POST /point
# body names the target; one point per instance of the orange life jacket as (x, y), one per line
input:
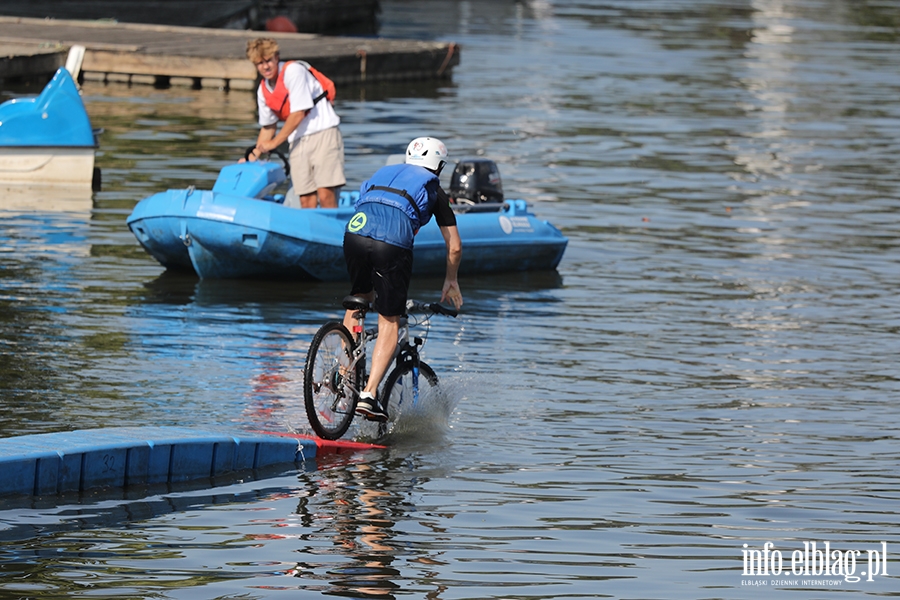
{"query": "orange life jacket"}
(278, 99)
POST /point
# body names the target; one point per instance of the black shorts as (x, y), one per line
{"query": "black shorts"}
(379, 266)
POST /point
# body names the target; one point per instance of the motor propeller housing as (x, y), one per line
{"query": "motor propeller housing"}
(476, 181)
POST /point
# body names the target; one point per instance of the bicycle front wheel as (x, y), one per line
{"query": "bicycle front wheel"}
(329, 383)
(406, 386)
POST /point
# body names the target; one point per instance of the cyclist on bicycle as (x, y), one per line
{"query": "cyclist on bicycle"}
(378, 246)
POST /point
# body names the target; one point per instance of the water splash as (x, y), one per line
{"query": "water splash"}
(426, 421)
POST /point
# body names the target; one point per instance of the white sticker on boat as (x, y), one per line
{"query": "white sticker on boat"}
(521, 223)
(217, 212)
(510, 224)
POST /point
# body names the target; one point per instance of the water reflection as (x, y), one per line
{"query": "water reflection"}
(181, 287)
(362, 513)
(24, 200)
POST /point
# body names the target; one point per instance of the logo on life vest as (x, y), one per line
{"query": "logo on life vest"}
(357, 222)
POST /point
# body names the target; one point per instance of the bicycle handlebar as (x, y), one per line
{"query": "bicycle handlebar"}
(433, 307)
(444, 310)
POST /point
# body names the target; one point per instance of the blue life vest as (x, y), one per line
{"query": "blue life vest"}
(401, 186)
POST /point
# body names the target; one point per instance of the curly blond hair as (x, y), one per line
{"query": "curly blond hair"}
(261, 49)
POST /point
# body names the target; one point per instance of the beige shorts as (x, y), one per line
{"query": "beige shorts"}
(317, 161)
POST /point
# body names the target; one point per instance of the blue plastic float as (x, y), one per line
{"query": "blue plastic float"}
(48, 139)
(56, 117)
(77, 461)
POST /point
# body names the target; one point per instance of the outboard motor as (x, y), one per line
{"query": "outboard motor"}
(476, 181)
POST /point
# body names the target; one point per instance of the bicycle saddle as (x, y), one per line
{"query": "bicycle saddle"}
(355, 303)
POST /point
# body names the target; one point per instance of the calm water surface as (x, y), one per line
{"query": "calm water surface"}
(712, 365)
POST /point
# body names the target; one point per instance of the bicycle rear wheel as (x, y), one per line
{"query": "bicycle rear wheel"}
(405, 387)
(329, 383)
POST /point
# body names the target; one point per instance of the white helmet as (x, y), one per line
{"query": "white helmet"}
(426, 152)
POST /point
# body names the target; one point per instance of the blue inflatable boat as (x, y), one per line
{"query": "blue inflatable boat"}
(240, 229)
(48, 139)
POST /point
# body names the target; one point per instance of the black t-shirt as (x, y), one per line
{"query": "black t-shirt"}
(443, 213)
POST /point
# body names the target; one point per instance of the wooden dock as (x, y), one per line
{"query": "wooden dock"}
(26, 60)
(308, 16)
(163, 55)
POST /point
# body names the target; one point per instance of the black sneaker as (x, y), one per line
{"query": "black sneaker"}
(371, 410)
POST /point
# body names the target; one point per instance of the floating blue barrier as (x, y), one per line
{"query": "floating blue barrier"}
(75, 461)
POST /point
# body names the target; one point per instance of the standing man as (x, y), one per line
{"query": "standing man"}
(289, 93)
(378, 247)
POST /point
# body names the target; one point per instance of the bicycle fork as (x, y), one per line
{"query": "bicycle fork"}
(409, 355)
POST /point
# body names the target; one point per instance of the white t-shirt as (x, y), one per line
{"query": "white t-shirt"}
(302, 88)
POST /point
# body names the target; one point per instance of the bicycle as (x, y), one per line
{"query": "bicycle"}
(335, 370)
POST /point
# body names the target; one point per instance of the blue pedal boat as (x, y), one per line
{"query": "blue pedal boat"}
(240, 229)
(47, 140)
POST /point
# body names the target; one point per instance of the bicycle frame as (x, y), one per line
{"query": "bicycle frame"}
(403, 354)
